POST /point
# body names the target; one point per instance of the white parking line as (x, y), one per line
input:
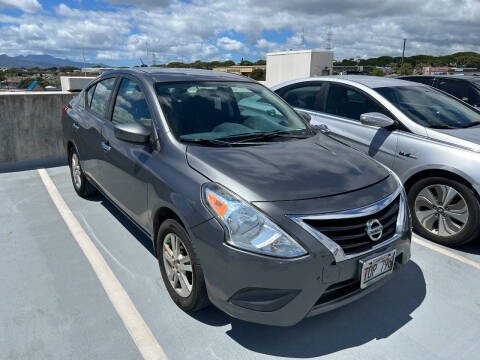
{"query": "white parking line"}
(133, 321)
(446, 252)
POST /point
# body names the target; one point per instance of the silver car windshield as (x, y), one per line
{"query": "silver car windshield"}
(430, 108)
(222, 110)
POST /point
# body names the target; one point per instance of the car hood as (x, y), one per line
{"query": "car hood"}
(287, 170)
(469, 137)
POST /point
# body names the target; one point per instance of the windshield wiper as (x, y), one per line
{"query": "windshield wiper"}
(214, 142)
(270, 135)
(475, 123)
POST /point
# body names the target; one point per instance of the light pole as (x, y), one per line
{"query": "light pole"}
(403, 56)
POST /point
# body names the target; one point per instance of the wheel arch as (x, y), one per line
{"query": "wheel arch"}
(161, 215)
(443, 173)
(70, 146)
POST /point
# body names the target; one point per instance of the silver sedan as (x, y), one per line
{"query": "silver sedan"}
(429, 138)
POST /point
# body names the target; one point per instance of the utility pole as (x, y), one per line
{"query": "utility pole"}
(403, 55)
(303, 37)
(147, 45)
(84, 68)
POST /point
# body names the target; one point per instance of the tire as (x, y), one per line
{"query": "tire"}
(455, 222)
(80, 183)
(197, 298)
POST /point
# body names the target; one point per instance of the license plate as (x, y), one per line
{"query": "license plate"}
(376, 268)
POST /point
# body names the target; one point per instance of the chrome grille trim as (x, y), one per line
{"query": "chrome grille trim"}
(335, 248)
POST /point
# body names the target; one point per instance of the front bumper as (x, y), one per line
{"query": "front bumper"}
(281, 292)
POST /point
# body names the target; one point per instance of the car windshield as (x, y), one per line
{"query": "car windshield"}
(430, 108)
(225, 110)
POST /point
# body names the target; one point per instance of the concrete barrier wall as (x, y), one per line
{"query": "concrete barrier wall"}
(30, 125)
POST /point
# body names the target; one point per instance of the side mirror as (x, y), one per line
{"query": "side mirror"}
(305, 116)
(132, 132)
(376, 119)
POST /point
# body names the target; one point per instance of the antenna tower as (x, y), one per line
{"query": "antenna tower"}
(329, 39)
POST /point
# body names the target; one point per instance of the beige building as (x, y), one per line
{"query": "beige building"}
(239, 69)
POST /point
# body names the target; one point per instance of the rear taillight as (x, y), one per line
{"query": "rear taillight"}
(64, 110)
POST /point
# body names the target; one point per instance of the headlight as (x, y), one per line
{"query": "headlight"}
(247, 227)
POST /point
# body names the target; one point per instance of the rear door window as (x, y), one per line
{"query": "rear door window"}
(350, 103)
(131, 105)
(101, 95)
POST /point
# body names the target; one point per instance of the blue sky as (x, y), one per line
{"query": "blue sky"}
(118, 32)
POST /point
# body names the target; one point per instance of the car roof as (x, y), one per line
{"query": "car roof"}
(368, 81)
(159, 74)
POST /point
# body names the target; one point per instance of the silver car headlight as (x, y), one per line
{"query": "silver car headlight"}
(247, 228)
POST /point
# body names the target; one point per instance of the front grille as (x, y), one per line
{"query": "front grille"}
(351, 234)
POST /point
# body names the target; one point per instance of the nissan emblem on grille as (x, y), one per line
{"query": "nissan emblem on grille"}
(374, 229)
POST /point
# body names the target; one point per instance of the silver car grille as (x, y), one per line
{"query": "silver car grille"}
(345, 233)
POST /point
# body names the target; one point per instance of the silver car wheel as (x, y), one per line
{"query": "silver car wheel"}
(178, 265)
(441, 210)
(76, 171)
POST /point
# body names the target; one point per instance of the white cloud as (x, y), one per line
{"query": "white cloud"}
(109, 55)
(29, 6)
(209, 29)
(231, 45)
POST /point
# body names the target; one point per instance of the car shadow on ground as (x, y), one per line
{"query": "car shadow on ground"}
(138, 234)
(471, 248)
(376, 316)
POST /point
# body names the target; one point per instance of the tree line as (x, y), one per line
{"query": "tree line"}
(466, 59)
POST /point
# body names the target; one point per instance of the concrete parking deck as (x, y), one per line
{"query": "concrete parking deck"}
(53, 305)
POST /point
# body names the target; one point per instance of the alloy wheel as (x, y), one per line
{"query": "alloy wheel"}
(76, 171)
(441, 210)
(178, 265)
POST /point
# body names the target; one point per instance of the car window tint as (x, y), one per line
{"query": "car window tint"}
(213, 110)
(101, 95)
(430, 107)
(350, 103)
(304, 97)
(474, 96)
(457, 88)
(90, 95)
(131, 106)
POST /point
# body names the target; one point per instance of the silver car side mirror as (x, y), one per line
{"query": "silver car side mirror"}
(376, 119)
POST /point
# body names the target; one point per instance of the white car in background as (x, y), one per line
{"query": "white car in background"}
(429, 138)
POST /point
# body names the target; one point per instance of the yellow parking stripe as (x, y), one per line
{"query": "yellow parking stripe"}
(446, 252)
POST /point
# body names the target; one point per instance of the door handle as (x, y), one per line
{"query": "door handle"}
(75, 126)
(105, 146)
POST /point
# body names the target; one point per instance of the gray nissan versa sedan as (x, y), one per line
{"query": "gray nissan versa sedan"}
(429, 138)
(248, 208)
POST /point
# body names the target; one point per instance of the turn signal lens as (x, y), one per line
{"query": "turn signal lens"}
(217, 205)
